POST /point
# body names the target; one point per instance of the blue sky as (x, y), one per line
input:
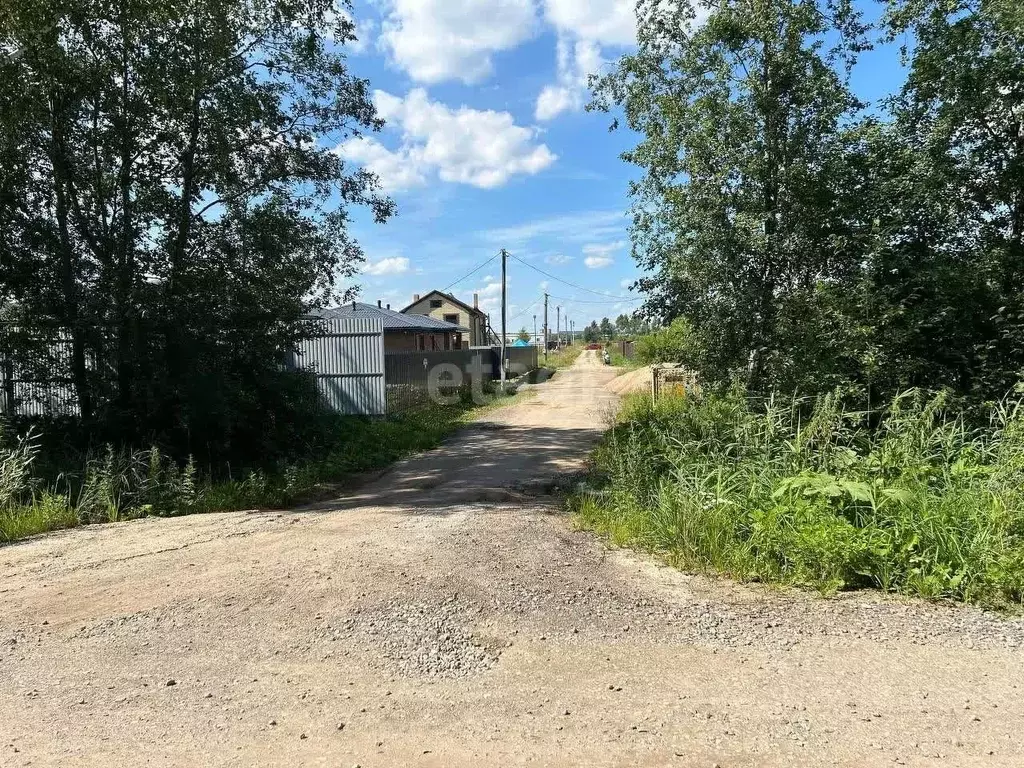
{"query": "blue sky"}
(488, 146)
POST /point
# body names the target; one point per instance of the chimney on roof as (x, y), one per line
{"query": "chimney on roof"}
(378, 304)
(353, 306)
(389, 306)
(415, 298)
(476, 301)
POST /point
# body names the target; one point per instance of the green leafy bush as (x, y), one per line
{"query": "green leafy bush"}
(672, 344)
(906, 499)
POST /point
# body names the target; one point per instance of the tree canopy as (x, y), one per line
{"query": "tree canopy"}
(813, 243)
(169, 199)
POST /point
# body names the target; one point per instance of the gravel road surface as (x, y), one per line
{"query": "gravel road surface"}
(449, 615)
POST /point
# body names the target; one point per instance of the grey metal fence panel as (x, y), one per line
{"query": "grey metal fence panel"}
(35, 372)
(410, 375)
(347, 357)
(521, 359)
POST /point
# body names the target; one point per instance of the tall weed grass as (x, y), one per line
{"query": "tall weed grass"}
(115, 485)
(906, 499)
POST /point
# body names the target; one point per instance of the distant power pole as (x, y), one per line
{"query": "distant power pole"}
(558, 326)
(535, 337)
(572, 333)
(545, 327)
(504, 313)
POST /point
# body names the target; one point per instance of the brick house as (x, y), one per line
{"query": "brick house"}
(447, 308)
(404, 333)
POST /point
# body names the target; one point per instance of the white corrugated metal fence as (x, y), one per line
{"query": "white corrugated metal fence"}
(348, 360)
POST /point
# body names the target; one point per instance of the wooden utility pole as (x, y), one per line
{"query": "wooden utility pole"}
(536, 338)
(504, 313)
(558, 326)
(545, 327)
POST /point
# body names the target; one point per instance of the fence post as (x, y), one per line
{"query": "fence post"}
(8, 374)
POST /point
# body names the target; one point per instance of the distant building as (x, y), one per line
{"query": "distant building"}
(402, 332)
(447, 308)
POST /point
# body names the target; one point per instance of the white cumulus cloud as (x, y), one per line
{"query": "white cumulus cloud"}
(598, 262)
(599, 255)
(576, 62)
(490, 296)
(586, 30)
(438, 40)
(583, 27)
(610, 22)
(393, 265)
(604, 249)
(396, 170)
(482, 148)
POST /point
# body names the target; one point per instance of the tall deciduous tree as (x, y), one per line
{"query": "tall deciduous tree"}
(169, 196)
(959, 120)
(739, 212)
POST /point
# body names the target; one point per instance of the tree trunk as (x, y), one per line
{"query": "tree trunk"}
(67, 264)
(174, 356)
(124, 278)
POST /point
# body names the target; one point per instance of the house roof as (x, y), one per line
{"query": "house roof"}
(393, 321)
(447, 297)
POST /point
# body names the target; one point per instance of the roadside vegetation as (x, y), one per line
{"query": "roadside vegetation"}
(670, 344)
(562, 358)
(866, 259)
(908, 498)
(115, 485)
(618, 360)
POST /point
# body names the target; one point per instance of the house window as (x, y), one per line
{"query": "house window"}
(436, 303)
(420, 343)
(453, 319)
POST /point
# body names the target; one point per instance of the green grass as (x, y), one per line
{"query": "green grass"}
(124, 485)
(907, 500)
(563, 358)
(618, 360)
(47, 512)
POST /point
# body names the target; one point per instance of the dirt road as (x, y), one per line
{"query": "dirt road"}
(448, 615)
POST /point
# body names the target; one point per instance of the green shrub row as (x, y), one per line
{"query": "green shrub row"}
(120, 485)
(907, 498)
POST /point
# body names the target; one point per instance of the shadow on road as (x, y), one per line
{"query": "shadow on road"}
(486, 462)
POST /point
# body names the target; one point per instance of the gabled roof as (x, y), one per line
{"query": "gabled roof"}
(447, 297)
(393, 321)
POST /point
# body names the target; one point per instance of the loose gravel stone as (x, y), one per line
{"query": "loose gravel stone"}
(422, 638)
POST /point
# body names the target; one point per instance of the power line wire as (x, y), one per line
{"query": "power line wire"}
(633, 300)
(525, 311)
(471, 273)
(566, 282)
